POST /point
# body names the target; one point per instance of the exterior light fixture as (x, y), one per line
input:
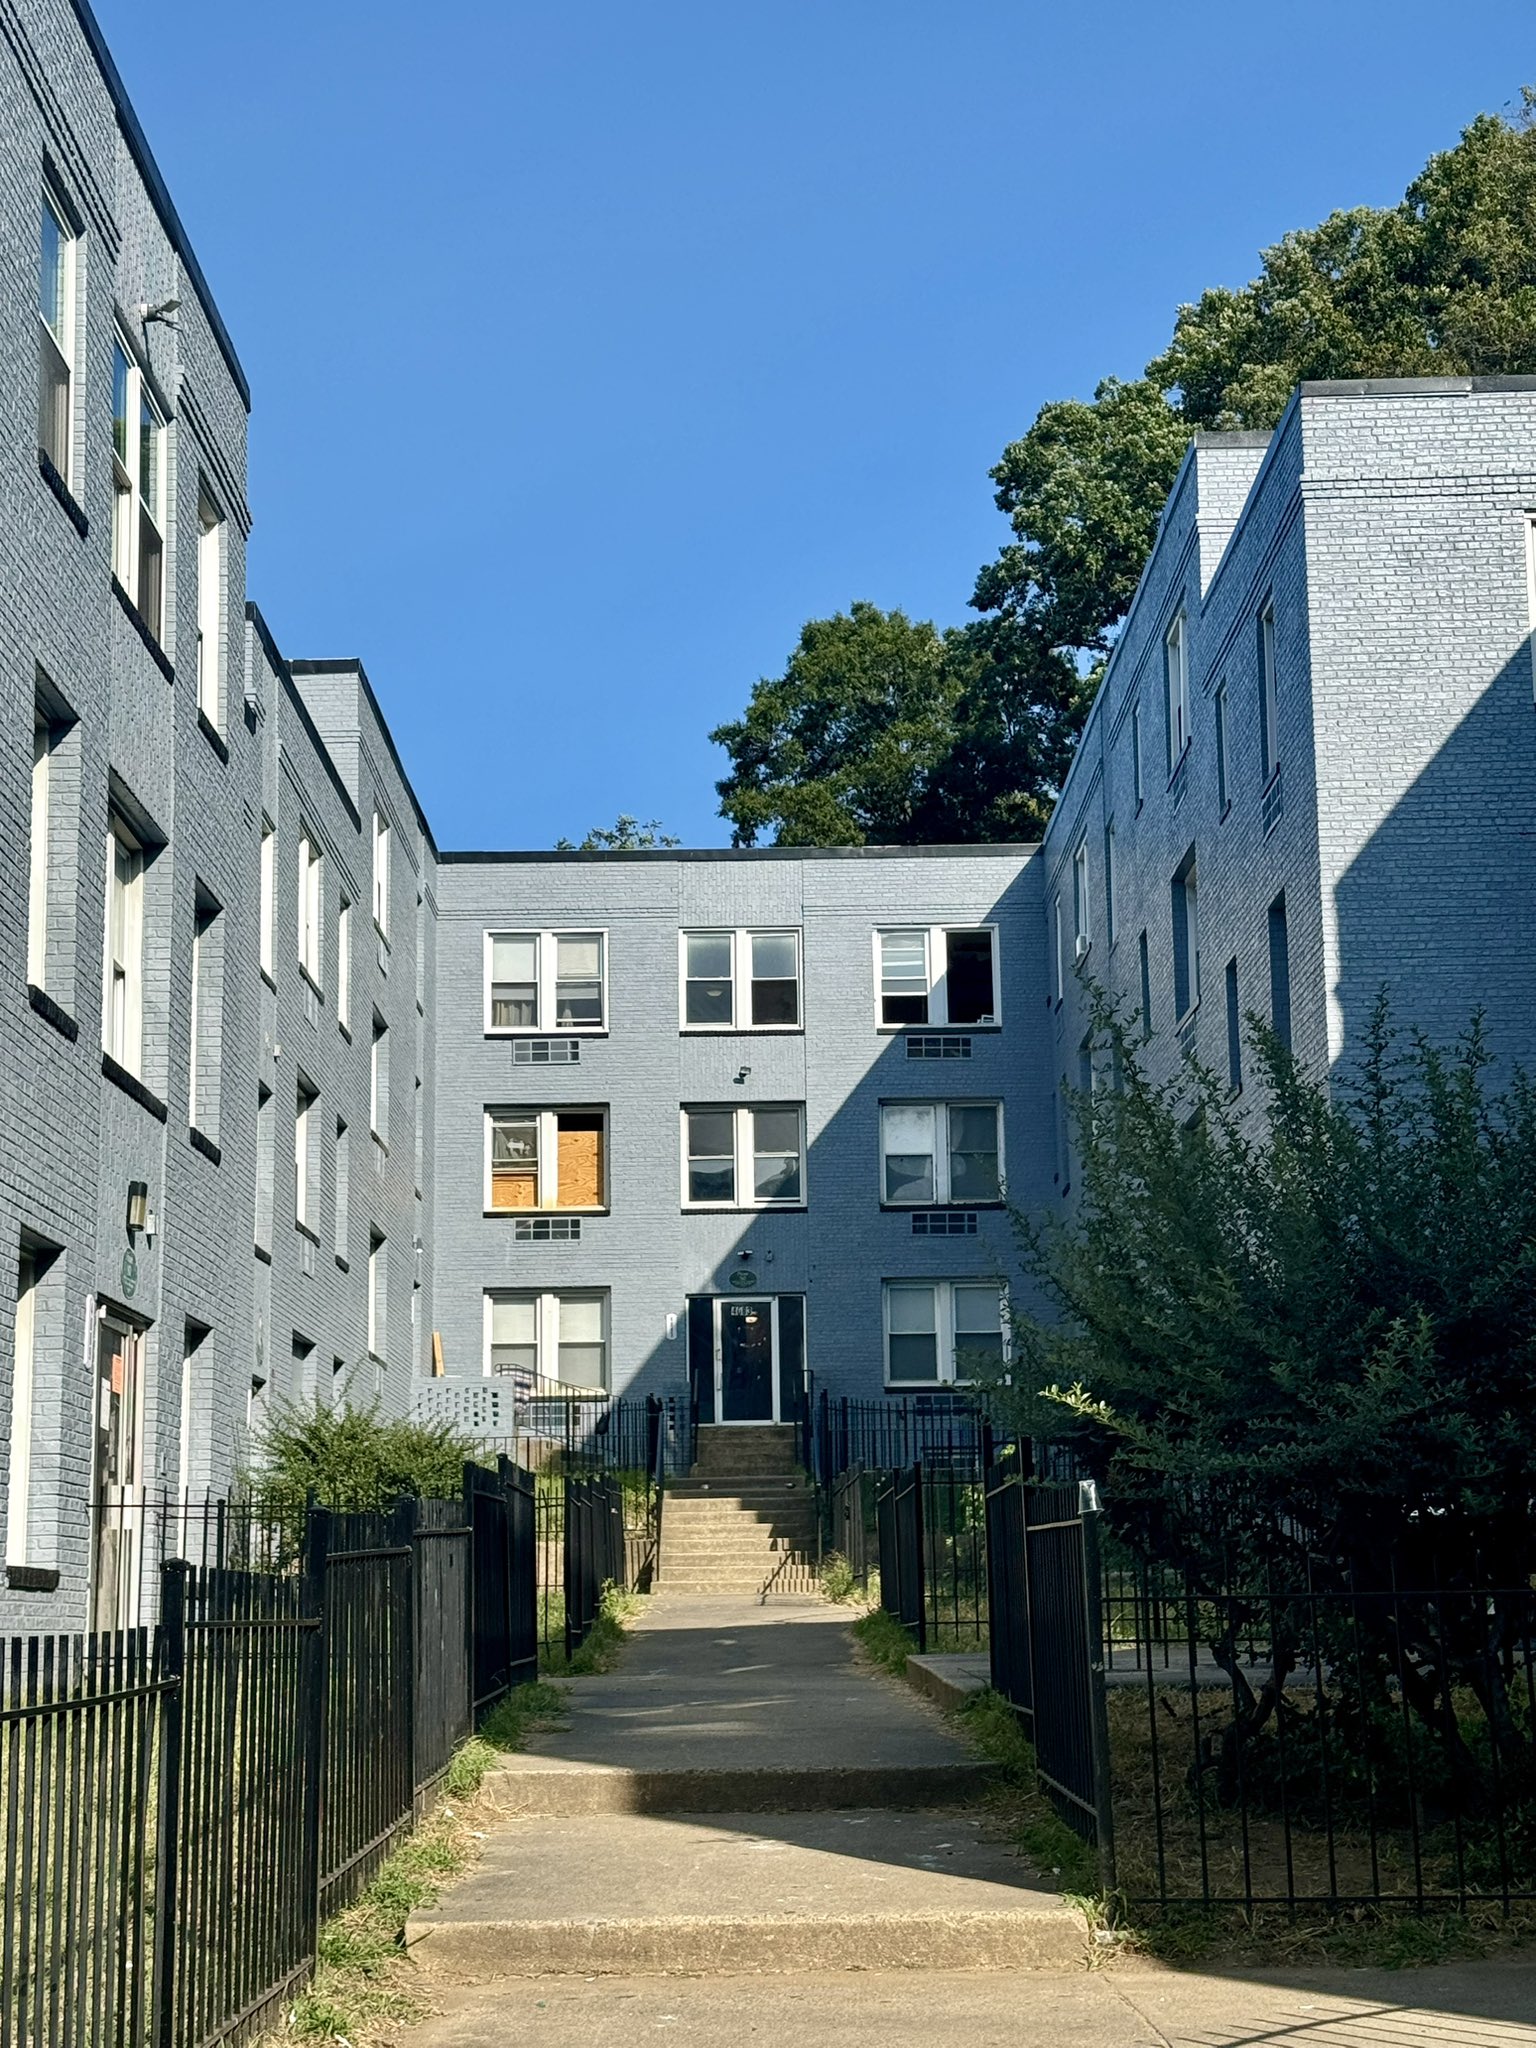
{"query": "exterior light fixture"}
(138, 1208)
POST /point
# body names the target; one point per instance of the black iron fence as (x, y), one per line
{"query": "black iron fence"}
(933, 1554)
(847, 1521)
(183, 1802)
(593, 1532)
(941, 1432)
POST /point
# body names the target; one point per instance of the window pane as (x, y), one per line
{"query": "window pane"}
(514, 1322)
(579, 978)
(581, 1319)
(709, 995)
(776, 1155)
(914, 1357)
(775, 1002)
(773, 956)
(911, 1310)
(514, 981)
(514, 1162)
(149, 458)
(151, 549)
(978, 1330)
(907, 1140)
(120, 403)
(973, 1175)
(904, 977)
(581, 1365)
(51, 272)
(53, 404)
(969, 977)
(711, 1156)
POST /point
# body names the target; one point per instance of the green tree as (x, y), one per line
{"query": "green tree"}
(626, 835)
(1444, 283)
(883, 730)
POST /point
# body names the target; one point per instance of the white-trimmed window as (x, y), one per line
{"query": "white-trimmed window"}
(268, 898)
(205, 1040)
(309, 907)
(547, 1339)
(306, 1154)
(940, 1152)
(1269, 693)
(344, 964)
(546, 1159)
(744, 1157)
(1082, 916)
(1223, 792)
(941, 1332)
(381, 874)
(38, 850)
(545, 981)
(1137, 789)
(378, 1281)
(56, 338)
(122, 1004)
(740, 980)
(31, 1267)
(937, 974)
(138, 494)
(1185, 903)
(378, 1081)
(1111, 907)
(1176, 686)
(210, 606)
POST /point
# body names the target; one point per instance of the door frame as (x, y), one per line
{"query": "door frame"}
(772, 1302)
(124, 1499)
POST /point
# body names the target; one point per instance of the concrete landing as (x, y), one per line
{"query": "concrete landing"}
(1462, 2006)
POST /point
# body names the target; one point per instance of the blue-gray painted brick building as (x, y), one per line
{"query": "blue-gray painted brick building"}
(296, 1107)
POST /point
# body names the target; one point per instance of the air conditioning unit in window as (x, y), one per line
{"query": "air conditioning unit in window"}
(1082, 946)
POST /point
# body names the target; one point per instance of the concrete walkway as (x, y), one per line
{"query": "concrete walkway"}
(739, 1796)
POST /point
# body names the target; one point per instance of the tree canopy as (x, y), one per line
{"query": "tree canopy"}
(882, 727)
(627, 834)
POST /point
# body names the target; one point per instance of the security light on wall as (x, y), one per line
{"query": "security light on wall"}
(140, 1216)
(162, 312)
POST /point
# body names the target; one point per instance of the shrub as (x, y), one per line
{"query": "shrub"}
(354, 1459)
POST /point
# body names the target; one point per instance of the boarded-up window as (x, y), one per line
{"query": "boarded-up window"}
(580, 1177)
(514, 1162)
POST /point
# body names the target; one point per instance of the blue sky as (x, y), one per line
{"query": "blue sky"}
(594, 348)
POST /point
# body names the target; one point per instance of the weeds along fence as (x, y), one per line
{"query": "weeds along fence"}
(185, 1801)
(1293, 1735)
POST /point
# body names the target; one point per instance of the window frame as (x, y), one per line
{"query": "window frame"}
(546, 1331)
(1111, 907)
(267, 899)
(1082, 908)
(378, 1081)
(742, 979)
(378, 1291)
(129, 506)
(1176, 689)
(943, 1196)
(381, 864)
(211, 633)
(126, 1048)
(945, 1345)
(1184, 909)
(1269, 694)
(62, 345)
(744, 1157)
(1221, 703)
(311, 907)
(546, 980)
(547, 1158)
(306, 1156)
(39, 844)
(344, 964)
(933, 934)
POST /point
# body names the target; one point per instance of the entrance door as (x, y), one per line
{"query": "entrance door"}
(118, 1490)
(746, 1351)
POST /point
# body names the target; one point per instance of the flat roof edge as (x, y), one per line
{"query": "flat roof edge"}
(555, 857)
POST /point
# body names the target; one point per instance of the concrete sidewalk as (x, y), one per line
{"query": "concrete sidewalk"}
(1466, 2006)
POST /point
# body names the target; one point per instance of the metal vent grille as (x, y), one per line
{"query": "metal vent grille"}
(546, 1052)
(944, 1223)
(943, 1045)
(547, 1230)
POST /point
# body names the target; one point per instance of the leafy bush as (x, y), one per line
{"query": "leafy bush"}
(354, 1459)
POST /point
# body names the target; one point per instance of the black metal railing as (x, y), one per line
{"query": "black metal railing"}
(943, 1432)
(183, 1802)
(933, 1555)
(846, 1521)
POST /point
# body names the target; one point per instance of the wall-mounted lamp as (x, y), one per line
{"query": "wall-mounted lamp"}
(743, 1074)
(141, 1218)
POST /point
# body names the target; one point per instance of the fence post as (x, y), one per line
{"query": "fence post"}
(315, 1708)
(1098, 1710)
(172, 1647)
(471, 1594)
(569, 1547)
(922, 1577)
(402, 1536)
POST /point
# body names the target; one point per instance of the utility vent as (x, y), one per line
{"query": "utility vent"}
(546, 1052)
(547, 1230)
(944, 1223)
(947, 1045)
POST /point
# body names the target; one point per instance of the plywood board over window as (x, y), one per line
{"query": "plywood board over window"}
(579, 1182)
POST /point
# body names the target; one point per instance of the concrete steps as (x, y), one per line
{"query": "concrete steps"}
(743, 1521)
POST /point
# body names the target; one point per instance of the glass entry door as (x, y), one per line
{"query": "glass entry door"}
(746, 1357)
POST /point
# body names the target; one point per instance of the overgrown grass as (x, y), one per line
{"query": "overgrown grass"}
(361, 1990)
(884, 1641)
(1058, 1856)
(839, 1582)
(605, 1638)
